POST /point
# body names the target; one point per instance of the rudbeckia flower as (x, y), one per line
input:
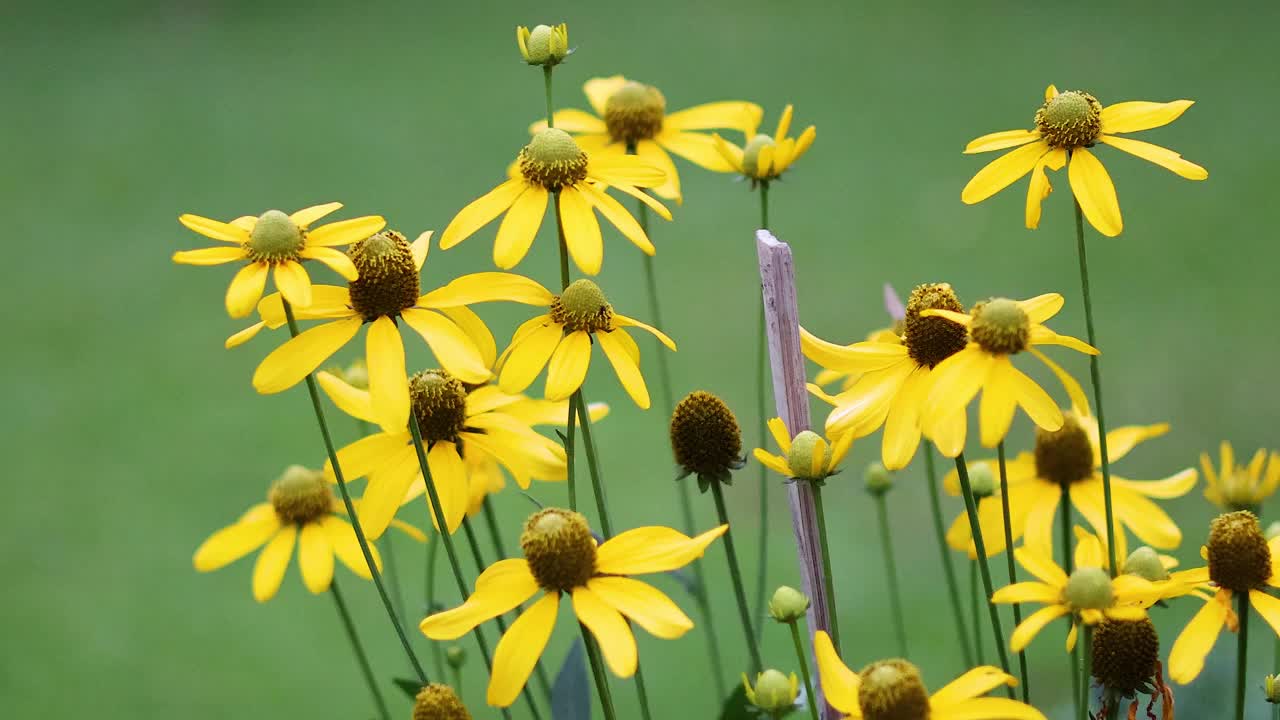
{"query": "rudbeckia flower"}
(1069, 460)
(279, 242)
(561, 341)
(890, 689)
(765, 158)
(1240, 487)
(386, 293)
(552, 164)
(998, 329)
(807, 456)
(561, 557)
(632, 117)
(302, 511)
(1068, 125)
(455, 424)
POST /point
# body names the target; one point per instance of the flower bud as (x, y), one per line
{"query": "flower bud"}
(877, 478)
(788, 604)
(774, 692)
(456, 656)
(982, 481)
(544, 45)
(1145, 563)
(1271, 686)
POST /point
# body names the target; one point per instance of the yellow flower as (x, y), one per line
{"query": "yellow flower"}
(544, 45)
(457, 424)
(765, 158)
(774, 692)
(998, 329)
(632, 116)
(279, 241)
(1241, 563)
(890, 335)
(561, 341)
(807, 456)
(1069, 459)
(300, 510)
(561, 556)
(552, 163)
(1067, 126)
(1088, 595)
(891, 689)
(1240, 487)
(387, 292)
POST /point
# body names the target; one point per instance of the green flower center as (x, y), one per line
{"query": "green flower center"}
(751, 154)
(275, 238)
(1239, 558)
(892, 690)
(300, 495)
(439, 402)
(1000, 327)
(559, 548)
(388, 281)
(1070, 120)
(582, 306)
(552, 159)
(1089, 588)
(801, 456)
(930, 340)
(705, 436)
(634, 113)
(1064, 456)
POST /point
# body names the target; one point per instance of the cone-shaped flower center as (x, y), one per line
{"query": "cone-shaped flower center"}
(582, 306)
(560, 549)
(552, 159)
(1239, 558)
(439, 702)
(801, 457)
(1145, 563)
(705, 436)
(439, 403)
(275, 238)
(1065, 455)
(634, 113)
(300, 495)
(388, 280)
(1125, 653)
(751, 154)
(1000, 327)
(930, 340)
(1089, 588)
(1070, 120)
(892, 690)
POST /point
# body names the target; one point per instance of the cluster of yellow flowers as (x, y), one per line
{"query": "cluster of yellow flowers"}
(452, 433)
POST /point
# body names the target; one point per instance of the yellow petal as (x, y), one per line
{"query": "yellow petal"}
(626, 369)
(732, 115)
(620, 320)
(235, 541)
(519, 649)
(1001, 140)
(653, 154)
(902, 425)
(644, 604)
(1187, 657)
(337, 260)
(1041, 335)
(488, 287)
(1095, 192)
(1145, 519)
(350, 400)
(612, 633)
(502, 586)
(987, 707)
(527, 357)
(1138, 115)
(955, 381)
(389, 483)
(568, 366)
(1023, 592)
(420, 248)
(784, 122)
(1041, 566)
(581, 230)
(342, 538)
(619, 216)
(210, 256)
(599, 90)
(327, 301)
(615, 169)
(575, 121)
(646, 550)
(388, 383)
(451, 346)
(345, 232)
(246, 289)
(975, 683)
(645, 198)
(1268, 607)
(481, 212)
(519, 227)
(1174, 486)
(697, 148)
(268, 572)
(1002, 172)
(1079, 403)
(475, 329)
(288, 364)
(999, 399)
(731, 153)
(315, 558)
(294, 283)
(1050, 92)
(215, 229)
(778, 429)
(1163, 157)
(1026, 632)
(866, 405)
(304, 217)
(450, 477)
(858, 357)
(839, 683)
(1032, 398)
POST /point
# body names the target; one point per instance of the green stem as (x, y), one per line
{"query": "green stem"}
(597, 672)
(764, 205)
(358, 649)
(564, 246)
(976, 597)
(1068, 563)
(456, 673)
(570, 431)
(1095, 373)
(1242, 651)
(350, 507)
(804, 668)
(828, 580)
(762, 412)
(491, 521)
(1008, 556)
(546, 79)
(971, 507)
(736, 574)
(891, 571)
(1086, 673)
(948, 568)
(433, 554)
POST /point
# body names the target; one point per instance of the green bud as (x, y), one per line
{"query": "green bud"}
(801, 459)
(1145, 563)
(877, 478)
(1089, 588)
(1271, 686)
(544, 45)
(456, 655)
(982, 481)
(774, 692)
(788, 604)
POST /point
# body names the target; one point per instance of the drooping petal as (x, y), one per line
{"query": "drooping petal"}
(611, 632)
(697, 148)
(315, 558)
(1145, 519)
(1001, 140)
(526, 358)
(1126, 117)
(902, 425)
(839, 683)
(620, 320)
(519, 227)
(624, 366)
(451, 346)
(294, 283)
(345, 232)
(488, 287)
(866, 405)
(366, 454)
(858, 357)
(568, 366)
(618, 215)
(1036, 592)
(476, 330)
(1174, 486)
(1042, 307)
(652, 550)
(246, 289)
(1095, 192)
(519, 649)
(1003, 172)
(450, 477)
(955, 381)
(1187, 657)
(210, 256)
(1041, 566)
(624, 170)
(268, 572)
(389, 483)
(502, 586)
(342, 537)
(987, 708)
(644, 604)
(481, 212)
(288, 364)
(388, 384)
(1163, 157)
(235, 541)
(581, 230)
(1041, 335)
(1033, 399)
(999, 400)
(349, 399)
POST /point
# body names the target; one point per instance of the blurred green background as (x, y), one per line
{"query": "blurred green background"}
(131, 434)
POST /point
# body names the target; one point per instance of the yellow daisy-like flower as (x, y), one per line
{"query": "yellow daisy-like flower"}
(546, 45)
(456, 423)
(1241, 564)
(894, 376)
(386, 293)
(1067, 126)
(561, 341)
(766, 158)
(277, 241)
(1070, 458)
(561, 556)
(807, 456)
(300, 510)
(553, 164)
(998, 329)
(1089, 595)
(632, 117)
(1240, 487)
(893, 689)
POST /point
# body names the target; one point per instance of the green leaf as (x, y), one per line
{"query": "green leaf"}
(736, 706)
(571, 691)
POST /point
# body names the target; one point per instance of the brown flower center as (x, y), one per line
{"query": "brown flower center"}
(705, 436)
(388, 281)
(1125, 653)
(301, 495)
(439, 402)
(930, 340)
(559, 548)
(1239, 558)
(892, 690)
(1065, 455)
(634, 113)
(1000, 327)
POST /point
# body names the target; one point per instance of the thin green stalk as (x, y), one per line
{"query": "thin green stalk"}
(1242, 651)
(437, 510)
(976, 597)
(491, 520)
(350, 508)
(1086, 673)
(597, 672)
(455, 671)
(1068, 563)
(358, 649)
(546, 80)
(891, 571)
(564, 245)
(1013, 573)
(828, 579)
(971, 507)
(948, 569)
(1095, 373)
(433, 554)
(801, 657)
(570, 477)
(762, 412)
(736, 574)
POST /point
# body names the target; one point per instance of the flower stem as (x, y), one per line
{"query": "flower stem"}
(948, 568)
(564, 245)
(736, 574)
(1068, 563)
(433, 554)
(1242, 651)
(762, 412)
(350, 508)
(891, 571)
(597, 672)
(570, 431)
(971, 507)
(1095, 373)
(546, 81)
(804, 668)
(358, 649)
(491, 521)
(1086, 674)
(976, 597)
(1008, 556)
(828, 580)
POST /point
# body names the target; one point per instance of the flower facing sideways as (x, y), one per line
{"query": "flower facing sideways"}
(807, 456)
(765, 158)
(1240, 487)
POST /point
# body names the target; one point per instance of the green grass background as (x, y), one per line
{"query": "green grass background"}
(131, 434)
